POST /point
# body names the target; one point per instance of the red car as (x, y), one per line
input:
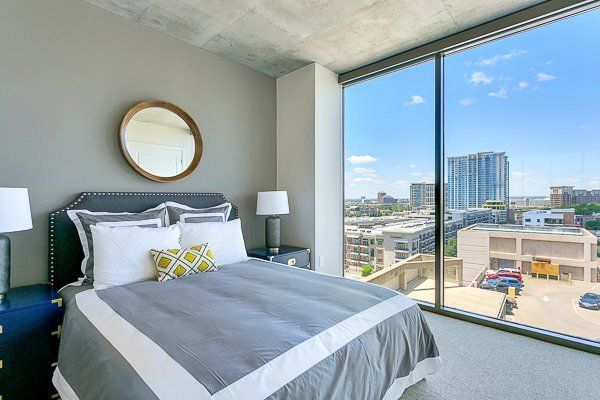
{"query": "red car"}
(491, 274)
(506, 274)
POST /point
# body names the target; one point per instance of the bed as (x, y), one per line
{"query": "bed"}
(252, 330)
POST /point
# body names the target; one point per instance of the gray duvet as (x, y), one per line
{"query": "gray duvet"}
(250, 330)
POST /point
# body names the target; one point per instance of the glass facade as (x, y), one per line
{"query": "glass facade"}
(519, 176)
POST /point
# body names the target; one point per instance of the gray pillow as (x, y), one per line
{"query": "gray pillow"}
(84, 219)
(182, 213)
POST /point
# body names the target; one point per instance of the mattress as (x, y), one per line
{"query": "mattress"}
(253, 330)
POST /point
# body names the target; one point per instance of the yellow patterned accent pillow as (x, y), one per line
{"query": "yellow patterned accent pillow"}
(175, 263)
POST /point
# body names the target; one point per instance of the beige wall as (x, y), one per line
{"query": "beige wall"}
(503, 245)
(550, 249)
(68, 74)
(473, 248)
(575, 254)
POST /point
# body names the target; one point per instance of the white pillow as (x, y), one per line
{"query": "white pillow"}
(225, 239)
(122, 254)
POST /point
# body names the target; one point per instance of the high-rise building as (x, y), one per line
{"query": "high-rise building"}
(422, 195)
(475, 178)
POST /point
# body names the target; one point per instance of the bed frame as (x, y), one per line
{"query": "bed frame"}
(64, 248)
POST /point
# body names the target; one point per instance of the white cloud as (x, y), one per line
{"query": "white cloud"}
(400, 184)
(363, 159)
(523, 85)
(500, 94)
(414, 100)
(479, 77)
(363, 180)
(486, 62)
(416, 174)
(364, 171)
(525, 173)
(542, 76)
(412, 166)
(466, 101)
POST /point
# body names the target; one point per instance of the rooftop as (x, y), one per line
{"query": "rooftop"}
(560, 230)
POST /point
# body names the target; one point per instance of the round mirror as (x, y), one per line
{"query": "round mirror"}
(160, 141)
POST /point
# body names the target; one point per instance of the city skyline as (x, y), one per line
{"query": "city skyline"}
(528, 95)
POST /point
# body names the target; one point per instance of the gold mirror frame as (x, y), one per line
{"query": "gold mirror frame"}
(198, 147)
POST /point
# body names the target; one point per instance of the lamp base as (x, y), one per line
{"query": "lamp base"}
(4, 265)
(273, 233)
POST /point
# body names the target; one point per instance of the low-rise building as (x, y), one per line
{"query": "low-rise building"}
(382, 241)
(491, 246)
(499, 210)
(553, 217)
(363, 247)
(565, 195)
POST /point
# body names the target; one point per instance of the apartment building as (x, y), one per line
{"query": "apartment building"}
(553, 217)
(384, 198)
(383, 241)
(499, 210)
(422, 195)
(363, 247)
(490, 246)
(475, 178)
(565, 195)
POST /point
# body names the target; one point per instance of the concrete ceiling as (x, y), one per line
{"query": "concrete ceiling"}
(278, 36)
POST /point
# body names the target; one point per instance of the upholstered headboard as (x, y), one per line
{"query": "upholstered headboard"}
(64, 248)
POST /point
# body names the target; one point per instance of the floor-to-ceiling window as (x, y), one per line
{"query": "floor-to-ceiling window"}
(389, 181)
(521, 179)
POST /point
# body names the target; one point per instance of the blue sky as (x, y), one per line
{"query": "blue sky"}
(534, 95)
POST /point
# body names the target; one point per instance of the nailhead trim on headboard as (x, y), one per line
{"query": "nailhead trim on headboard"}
(51, 230)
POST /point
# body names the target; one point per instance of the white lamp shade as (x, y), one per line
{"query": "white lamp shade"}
(272, 203)
(15, 214)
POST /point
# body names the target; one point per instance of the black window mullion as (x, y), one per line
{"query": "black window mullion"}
(439, 181)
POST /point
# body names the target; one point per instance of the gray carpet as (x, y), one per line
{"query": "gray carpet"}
(485, 363)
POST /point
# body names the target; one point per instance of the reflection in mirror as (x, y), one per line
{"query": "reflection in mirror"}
(159, 143)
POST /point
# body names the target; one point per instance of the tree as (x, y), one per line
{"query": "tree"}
(584, 208)
(450, 248)
(593, 225)
(367, 270)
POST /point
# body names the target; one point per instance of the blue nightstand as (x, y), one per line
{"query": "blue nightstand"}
(293, 256)
(29, 337)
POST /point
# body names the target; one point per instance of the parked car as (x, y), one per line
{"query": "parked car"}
(498, 286)
(508, 281)
(590, 301)
(507, 274)
(491, 274)
(513, 270)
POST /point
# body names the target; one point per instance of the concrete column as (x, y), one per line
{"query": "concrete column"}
(587, 261)
(309, 163)
(519, 253)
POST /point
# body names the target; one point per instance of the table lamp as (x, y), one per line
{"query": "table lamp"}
(272, 203)
(15, 215)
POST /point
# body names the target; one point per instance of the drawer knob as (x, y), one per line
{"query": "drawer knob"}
(292, 261)
(1, 331)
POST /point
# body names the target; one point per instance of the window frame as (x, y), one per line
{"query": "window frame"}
(530, 18)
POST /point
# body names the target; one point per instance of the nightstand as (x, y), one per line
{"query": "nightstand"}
(293, 256)
(29, 337)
